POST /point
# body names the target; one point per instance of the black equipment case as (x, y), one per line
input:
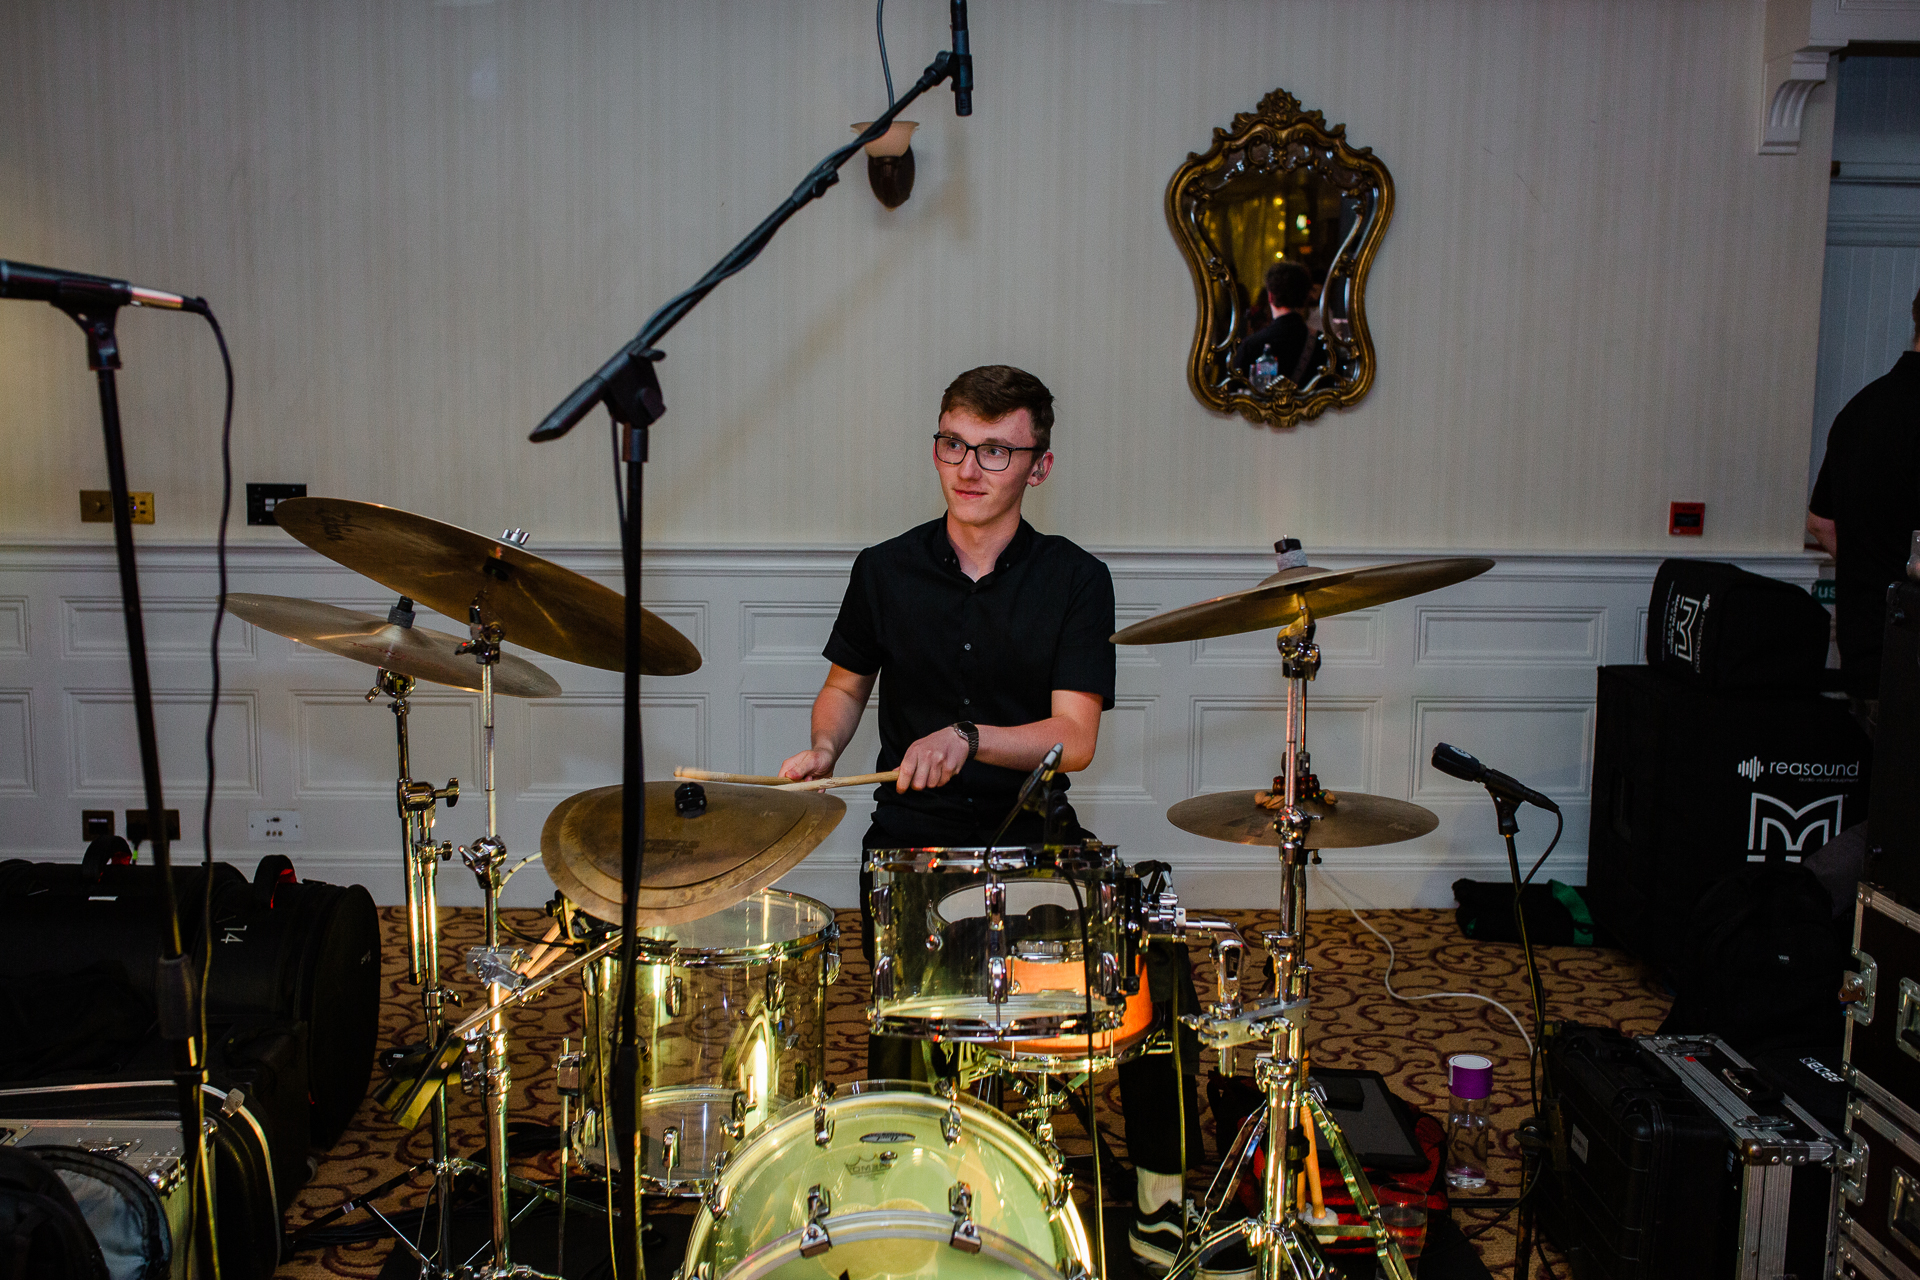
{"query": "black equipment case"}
(247, 1200)
(1691, 785)
(1879, 1227)
(1893, 832)
(1672, 1174)
(1721, 627)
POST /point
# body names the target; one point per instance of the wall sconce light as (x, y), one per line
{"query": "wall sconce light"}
(890, 162)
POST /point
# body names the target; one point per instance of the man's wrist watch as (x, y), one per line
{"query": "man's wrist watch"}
(971, 732)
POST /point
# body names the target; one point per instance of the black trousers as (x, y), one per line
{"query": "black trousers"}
(1152, 1087)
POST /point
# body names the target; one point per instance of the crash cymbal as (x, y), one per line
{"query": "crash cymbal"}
(1355, 822)
(412, 651)
(1280, 599)
(538, 604)
(747, 838)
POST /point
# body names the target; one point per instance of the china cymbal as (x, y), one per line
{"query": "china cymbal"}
(538, 604)
(412, 651)
(1357, 821)
(1280, 599)
(748, 838)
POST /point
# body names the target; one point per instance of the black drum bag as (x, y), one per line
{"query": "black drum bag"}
(283, 951)
(1717, 625)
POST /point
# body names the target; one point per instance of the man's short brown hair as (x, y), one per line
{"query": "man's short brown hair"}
(993, 391)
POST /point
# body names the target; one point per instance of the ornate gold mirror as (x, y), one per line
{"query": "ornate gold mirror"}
(1280, 220)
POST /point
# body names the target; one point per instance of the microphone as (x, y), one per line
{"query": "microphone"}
(46, 284)
(962, 62)
(1456, 763)
(1040, 777)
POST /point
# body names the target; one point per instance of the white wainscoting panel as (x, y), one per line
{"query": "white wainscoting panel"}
(1501, 666)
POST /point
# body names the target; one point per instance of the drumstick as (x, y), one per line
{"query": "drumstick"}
(536, 959)
(828, 784)
(710, 775)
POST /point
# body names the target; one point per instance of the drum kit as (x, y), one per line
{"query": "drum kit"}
(1031, 958)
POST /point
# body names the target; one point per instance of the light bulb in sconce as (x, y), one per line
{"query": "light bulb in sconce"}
(890, 162)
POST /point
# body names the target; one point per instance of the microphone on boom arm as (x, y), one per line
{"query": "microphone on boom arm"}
(962, 62)
(1454, 762)
(47, 284)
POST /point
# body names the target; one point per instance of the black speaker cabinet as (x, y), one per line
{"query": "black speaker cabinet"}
(1691, 784)
(1893, 834)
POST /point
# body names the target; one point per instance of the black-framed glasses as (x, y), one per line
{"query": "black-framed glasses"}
(992, 457)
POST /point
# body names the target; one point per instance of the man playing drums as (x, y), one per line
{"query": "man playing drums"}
(989, 641)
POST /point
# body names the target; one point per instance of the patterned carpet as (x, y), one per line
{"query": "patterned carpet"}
(1355, 1024)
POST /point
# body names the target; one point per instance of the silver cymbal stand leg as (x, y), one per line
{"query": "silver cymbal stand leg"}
(417, 802)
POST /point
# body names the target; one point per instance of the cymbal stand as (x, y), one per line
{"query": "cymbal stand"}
(1285, 1238)
(417, 803)
(487, 1071)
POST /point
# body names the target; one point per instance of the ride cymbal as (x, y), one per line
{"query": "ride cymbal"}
(1282, 598)
(364, 637)
(538, 604)
(1355, 822)
(692, 866)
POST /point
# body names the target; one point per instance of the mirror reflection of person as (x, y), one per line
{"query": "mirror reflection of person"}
(1285, 335)
(1864, 510)
(989, 643)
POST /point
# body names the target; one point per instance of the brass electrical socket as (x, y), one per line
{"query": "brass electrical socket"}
(96, 507)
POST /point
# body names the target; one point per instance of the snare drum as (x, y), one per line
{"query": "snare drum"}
(888, 1180)
(732, 1025)
(1004, 947)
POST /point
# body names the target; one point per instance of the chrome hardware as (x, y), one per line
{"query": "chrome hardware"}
(1853, 1183)
(996, 898)
(497, 966)
(814, 1239)
(473, 1071)
(718, 1196)
(670, 1148)
(1906, 1027)
(674, 997)
(951, 1129)
(821, 1092)
(518, 537)
(822, 1126)
(935, 940)
(776, 990)
(1229, 950)
(997, 978)
(567, 1072)
(1857, 988)
(1109, 974)
(735, 1126)
(1903, 1209)
(1104, 896)
(966, 1235)
(883, 978)
(831, 973)
(1164, 916)
(881, 901)
(947, 1087)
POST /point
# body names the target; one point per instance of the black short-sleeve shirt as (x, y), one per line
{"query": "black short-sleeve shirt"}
(1869, 486)
(948, 648)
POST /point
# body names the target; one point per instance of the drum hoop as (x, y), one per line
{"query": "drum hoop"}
(1074, 858)
(657, 951)
(979, 1031)
(894, 1224)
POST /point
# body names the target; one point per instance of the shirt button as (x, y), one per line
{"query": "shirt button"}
(966, 702)
(967, 647)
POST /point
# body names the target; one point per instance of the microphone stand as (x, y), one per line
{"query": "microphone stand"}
(176, 987)
(629, 388)
(1506, 809)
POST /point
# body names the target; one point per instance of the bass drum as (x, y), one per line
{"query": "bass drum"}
(888, 1180)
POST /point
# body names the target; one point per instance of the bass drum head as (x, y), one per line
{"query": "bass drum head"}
(887, 1168)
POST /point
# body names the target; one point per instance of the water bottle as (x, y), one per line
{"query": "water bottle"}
(1469, 1082)
(1266, 369)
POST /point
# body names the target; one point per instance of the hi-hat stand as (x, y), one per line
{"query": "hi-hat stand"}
(1285, 1235)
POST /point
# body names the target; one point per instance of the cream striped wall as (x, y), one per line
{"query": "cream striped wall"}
(1502, 666)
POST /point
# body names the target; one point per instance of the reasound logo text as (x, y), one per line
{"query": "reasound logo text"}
(1805, 770)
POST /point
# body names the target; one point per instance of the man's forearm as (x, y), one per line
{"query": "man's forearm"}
(1022, 746)
(836, 715)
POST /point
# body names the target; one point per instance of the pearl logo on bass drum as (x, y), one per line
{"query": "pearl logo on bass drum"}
(1773, 825)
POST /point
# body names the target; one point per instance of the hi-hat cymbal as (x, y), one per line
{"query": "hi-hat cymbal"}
(1279, 600)
(1357, 821)
(412, 651)
(538, 604)
(748, 838)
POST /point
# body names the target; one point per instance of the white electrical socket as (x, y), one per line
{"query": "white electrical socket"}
(273, 826)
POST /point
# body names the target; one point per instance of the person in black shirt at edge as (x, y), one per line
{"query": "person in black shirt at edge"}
(1289, 288)
(1864, 510)
(989, 641)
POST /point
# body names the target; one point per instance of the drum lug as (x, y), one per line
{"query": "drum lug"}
(1109, 974)
(717, 1197)
(567, 1070)
(947, 1087)
(676, 995)
(831, 973)
(814, 1239)
(670, 1148)
(1062, 1188)
(997, 979)
(951, 1129)
(883, 978)
(736, 1125)
(880, 901)
(822, 1126)
(821, 1092)
(966, 1235)
(935, 940)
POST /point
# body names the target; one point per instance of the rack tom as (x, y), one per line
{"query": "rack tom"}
(732, 1026)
